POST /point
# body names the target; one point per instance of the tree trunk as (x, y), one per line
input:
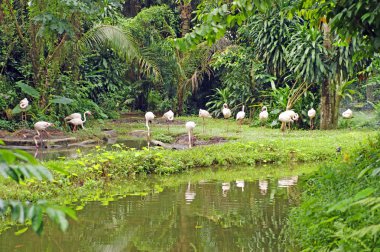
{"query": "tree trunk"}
(131, 8)
(330, 101)
(186, 18)
(180, 98)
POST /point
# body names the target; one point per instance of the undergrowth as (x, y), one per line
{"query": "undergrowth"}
(340, 209)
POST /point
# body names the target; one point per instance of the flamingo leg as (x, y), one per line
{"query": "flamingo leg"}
(35, 140)
(203, 124)
(190, 138)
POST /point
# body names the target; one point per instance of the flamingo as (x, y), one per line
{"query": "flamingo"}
(285, 118)
(190, 127)
(78, 121)
(347, 114)
(204, 114)
(24, 103)
(149, 116)
(169, 116)
(311, 114)
(41, 126)
(226, 113)
(263, 116)
(240, 116)
(76, 115)
(293, 115)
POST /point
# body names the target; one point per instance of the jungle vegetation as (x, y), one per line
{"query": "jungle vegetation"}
(112, 56)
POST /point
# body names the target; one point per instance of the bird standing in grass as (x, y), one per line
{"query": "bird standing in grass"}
(311, 114)
(190, 127)
(263, 116)
(76, 116)
(347, 114)
(240, 117)
(226, 113)
(149, 116)
(41, 126)
(293, 115)
(169, 116)
(285, 118)
(24, 103)
(204, 114)
(76, 121)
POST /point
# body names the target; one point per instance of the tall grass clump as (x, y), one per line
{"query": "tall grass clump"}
(340, 209)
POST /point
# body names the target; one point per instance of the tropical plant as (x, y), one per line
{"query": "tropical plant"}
(21, 166)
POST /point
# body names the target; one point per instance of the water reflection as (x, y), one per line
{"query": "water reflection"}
(248, 217)
(286, 182)
(263, 185)
(189, 194)
(76, 151)
(240, 184)
(225, 188)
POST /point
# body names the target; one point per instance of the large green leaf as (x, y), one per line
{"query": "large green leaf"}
(28, 89)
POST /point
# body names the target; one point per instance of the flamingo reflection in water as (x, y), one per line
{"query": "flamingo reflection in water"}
(189, 194)
(263, 185)
(225, 188)
(240, 184)
(287, 182)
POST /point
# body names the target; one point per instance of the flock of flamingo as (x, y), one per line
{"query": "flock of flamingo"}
(75, 119)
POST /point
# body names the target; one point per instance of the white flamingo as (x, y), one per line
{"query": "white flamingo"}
(190, 127)
(149, 116)
(24, 103)
(76, 115)
(41, 126)
(263, 116)
(293, 115)
(311, 114)
(347, 114)
(226, 113)
(204, 114)
(285, 118)
(240, 117)
(78, 121)
(169, 116)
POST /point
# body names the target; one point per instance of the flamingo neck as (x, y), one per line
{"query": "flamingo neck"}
(84, 116)
(242, 109)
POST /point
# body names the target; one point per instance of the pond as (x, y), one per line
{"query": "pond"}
(227, 211)
(77, 151)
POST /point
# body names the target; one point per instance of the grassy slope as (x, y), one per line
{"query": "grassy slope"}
(340, 209)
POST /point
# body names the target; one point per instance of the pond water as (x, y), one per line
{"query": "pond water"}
(72, 152)
(203, 215)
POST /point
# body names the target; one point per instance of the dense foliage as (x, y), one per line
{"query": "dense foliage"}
(340, 206)
(112, 56)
